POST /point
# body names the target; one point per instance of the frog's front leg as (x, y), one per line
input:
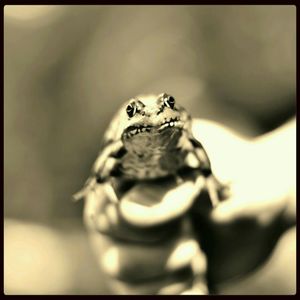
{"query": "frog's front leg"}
(108, 162)
(106, 165)
(217, 190)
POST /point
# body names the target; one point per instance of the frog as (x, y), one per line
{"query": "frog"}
(150, 137)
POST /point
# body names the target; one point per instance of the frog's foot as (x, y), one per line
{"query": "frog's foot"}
(217, 191)
(88, 187)
(224, 191)
(79, 195)
(178, 179)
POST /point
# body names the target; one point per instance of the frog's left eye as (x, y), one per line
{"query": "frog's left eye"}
(169, 101)
(131, 109)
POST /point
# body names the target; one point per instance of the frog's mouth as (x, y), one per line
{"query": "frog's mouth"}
(172, 122)
(149, 128)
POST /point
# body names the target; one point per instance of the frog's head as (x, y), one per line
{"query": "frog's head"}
(153, 118)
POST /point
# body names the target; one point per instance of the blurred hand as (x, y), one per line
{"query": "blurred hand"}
(241, 232)
(146, 243)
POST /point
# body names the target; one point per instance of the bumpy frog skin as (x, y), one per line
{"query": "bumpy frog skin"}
(149, 137)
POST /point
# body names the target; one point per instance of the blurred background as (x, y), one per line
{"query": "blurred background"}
(66, 71)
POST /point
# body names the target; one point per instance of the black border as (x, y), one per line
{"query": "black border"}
(136, 2)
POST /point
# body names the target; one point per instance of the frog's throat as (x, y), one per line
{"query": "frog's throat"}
(139, 128)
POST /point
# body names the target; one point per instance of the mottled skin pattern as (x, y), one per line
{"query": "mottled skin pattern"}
(149, 137)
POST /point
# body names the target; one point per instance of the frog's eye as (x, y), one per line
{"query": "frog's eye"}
(169, 101)
(131, 109)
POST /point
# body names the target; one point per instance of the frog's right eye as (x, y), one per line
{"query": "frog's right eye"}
(131, 109)
(169, 101)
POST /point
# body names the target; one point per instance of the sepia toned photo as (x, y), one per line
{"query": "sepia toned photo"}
(149, 150)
